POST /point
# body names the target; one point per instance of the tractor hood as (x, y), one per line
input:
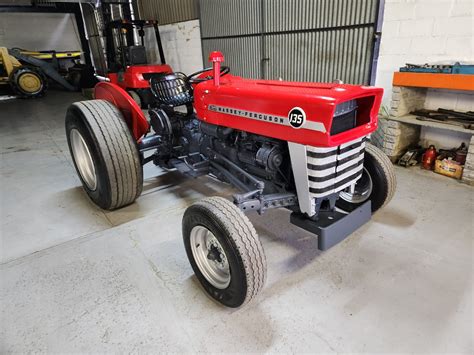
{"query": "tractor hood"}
(317, 114)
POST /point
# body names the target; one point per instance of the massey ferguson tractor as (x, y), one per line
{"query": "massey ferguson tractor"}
(299, 146)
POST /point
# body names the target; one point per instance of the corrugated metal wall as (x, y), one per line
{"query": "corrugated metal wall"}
(230, 17)
(168, 11)
(291, 15)
(242, 54)
(304, 40)
(233, 27)
(320, 56)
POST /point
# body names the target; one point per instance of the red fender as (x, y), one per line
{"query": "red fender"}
(132, 113)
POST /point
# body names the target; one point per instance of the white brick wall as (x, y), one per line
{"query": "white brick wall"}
(181, 45)
(462, 8)
(453, 26)
(460, 45)
(420, 31)
(441, 140)
(395, 137)
(405, 100)
(420, 27)
(452, 100)
(399, 10)
(432, 9)
(468, 173)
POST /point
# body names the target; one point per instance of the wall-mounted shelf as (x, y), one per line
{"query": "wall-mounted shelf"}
(411, 119)
(434, 80)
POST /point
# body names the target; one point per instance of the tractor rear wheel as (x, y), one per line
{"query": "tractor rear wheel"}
(104, 153)
(28, 82)
(377, 184)
(224, 251)
(136, 97)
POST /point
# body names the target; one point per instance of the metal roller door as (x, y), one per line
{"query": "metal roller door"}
(303, 40)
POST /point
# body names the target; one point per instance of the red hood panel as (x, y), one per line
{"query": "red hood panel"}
(255, 106)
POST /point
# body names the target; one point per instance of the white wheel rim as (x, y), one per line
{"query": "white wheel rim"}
(362, 190)
(83, 159)
(210, 257)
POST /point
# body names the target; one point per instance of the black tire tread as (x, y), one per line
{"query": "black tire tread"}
(118, 150)
(387, 167)
(13, 81)
(136, 97)
(245, 238)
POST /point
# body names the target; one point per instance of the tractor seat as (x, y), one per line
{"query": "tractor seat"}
(135, 55)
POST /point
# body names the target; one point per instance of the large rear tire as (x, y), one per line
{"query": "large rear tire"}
(377, 184)
(104, 153)
(135, 96)
(224, 251)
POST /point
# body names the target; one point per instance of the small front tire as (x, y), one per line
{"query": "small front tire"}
(224, 251)
(377, 184)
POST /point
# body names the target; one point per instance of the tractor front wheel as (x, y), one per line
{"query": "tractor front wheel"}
(377, 183)
(104, 153)
(224, 251)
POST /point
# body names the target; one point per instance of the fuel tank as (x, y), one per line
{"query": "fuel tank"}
(315, 114)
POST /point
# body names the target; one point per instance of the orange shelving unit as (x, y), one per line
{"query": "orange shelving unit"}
(434, 80)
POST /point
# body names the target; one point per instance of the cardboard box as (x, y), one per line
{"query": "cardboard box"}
(449, 168)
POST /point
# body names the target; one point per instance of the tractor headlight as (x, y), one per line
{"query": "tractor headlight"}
(344, 117)
(345, 107)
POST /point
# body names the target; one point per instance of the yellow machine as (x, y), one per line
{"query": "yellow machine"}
(49, 55)
(25, 81)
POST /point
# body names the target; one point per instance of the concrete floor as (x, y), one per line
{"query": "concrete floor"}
(78, 279)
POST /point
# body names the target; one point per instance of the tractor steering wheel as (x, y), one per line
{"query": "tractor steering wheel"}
(193, 78)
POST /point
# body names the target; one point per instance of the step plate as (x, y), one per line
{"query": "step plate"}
(333, 227)
(188, 170)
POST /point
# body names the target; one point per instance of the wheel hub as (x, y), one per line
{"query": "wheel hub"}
(361, 191)
(214, 254)
(83, 159)
(29, 82)
(210, 257)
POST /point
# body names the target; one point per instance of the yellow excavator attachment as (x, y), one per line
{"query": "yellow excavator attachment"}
(25, 81)
(7, 64)
(51, 54)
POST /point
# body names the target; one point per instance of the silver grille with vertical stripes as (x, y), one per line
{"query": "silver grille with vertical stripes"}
(333, 169)
(320, 172)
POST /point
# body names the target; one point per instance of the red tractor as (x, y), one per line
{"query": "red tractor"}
(128, 63)
(299, 146)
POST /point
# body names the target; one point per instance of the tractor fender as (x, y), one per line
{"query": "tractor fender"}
(132, 113)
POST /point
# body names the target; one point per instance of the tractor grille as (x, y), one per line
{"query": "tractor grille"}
(331, 170)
